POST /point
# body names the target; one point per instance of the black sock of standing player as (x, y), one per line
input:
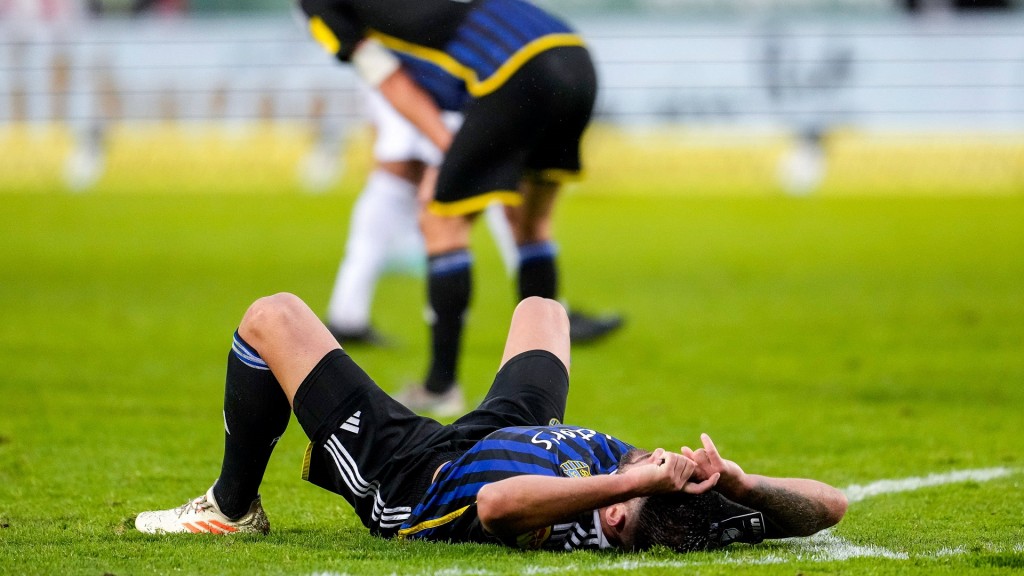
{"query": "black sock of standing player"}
(256, 413)
(538, 275)
(449, 284)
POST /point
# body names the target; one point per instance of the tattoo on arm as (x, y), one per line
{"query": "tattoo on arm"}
(787, 512)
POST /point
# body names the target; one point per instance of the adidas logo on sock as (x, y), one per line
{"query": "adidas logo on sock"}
(352, 424)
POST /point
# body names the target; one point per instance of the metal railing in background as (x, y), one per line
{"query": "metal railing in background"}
(772, 68)
(898, 71)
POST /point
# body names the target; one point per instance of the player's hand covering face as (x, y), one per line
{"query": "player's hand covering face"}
(662, 472)
(710, 463)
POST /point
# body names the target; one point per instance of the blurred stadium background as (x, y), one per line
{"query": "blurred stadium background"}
(869, 333)
(698, 96)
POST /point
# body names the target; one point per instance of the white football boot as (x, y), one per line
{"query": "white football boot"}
(422, 401)
(202, 515)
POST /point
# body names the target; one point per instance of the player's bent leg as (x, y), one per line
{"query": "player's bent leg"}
(289, 337)
(532, 385)
(202, 515)
(256, 413)
(538, 324)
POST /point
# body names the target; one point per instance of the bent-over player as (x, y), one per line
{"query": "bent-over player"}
(526, 85)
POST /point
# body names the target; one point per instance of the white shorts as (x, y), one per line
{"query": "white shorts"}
(397, 139)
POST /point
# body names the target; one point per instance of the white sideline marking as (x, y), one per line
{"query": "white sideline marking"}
(825, 546)
(856, 492)
(822, 547)
(947, 551)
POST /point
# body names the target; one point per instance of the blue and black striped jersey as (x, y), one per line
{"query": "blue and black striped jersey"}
(448, 509)
(455, 50)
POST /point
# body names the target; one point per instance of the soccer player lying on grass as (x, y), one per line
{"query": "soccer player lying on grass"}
(509, 471)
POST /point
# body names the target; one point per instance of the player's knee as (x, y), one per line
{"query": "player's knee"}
(545, 311)
(267, 314)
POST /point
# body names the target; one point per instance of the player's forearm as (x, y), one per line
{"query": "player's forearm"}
(522, 503)
(417, 106)
(792, 506)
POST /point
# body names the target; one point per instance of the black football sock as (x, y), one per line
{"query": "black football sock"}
(449, 285)
(256, 413)
(538, 274)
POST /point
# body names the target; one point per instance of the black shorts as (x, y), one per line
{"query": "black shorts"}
(380, 456)
(531, 125)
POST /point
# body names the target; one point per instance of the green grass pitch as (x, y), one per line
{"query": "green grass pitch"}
(854, 340)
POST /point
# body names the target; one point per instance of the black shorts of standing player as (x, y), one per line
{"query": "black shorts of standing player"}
(381, 457)
(531, 125)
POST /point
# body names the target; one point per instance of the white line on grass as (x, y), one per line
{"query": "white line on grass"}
(826, 546)
(822, 547)
(947, 551)
(856, 492)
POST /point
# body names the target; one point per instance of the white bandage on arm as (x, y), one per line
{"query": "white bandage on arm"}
(374, 62)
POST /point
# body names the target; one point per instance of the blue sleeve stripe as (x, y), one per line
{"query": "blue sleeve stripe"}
(449, 92)
(497, 30)
(476, 53)
(488, 42)
(512, 34)
(527, 18)
(501, 41)
(466, 53)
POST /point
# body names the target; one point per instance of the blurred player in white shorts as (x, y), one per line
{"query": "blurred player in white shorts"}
(52, 71)
(384, 227)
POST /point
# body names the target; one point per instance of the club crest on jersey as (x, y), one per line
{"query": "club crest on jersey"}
(575, 469)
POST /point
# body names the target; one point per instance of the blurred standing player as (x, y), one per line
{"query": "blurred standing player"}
(527, 86)
(56, 75)
(383, 225)
(807, 77)
(38, 39)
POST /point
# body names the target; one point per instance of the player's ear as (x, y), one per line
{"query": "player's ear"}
(620, 522)
(614, 519)
(616, 515)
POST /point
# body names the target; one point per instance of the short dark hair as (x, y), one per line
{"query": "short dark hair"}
(678, 521)
(689, 522)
